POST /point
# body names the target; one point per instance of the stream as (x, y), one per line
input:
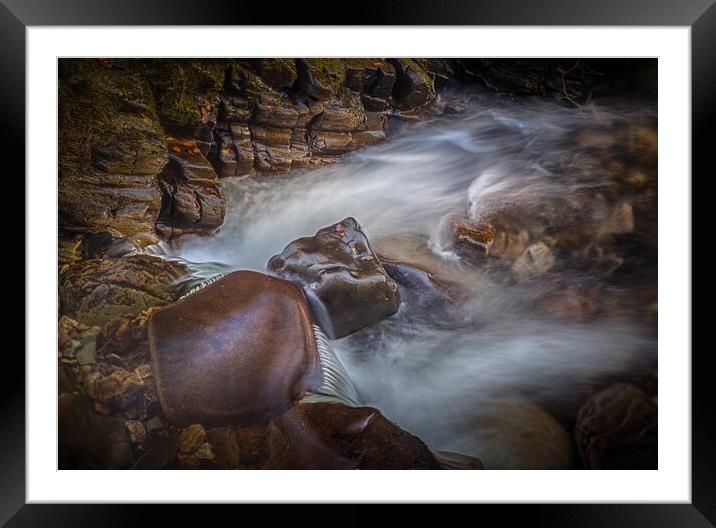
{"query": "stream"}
(492, 376)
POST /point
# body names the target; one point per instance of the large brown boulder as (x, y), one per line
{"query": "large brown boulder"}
(617, 428)
(336, 436)
(343, 280)
(235, 352)
(93, 291)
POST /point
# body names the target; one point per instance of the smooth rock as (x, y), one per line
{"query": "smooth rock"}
(519, 434)
(242, 347)
(343, 280)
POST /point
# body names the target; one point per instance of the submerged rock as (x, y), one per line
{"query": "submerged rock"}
(536, 260)
(93, 291)
(342, 278)
(242, 347)
(518, 434)
(617, 428)
(423, 293)
(336, 436)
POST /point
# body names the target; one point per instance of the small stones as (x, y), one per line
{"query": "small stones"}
(191, 438)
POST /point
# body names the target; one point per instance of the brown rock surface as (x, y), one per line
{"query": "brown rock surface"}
(343, 280)
(234, 352)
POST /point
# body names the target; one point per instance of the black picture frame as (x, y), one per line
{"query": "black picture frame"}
(699, 15)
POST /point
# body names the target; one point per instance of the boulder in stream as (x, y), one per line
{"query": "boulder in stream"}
(234, 352)
(344, 282)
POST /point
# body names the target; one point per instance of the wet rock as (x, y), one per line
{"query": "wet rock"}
(97, 290)
(192, 199)
(243, 347)
(537, 260)
(191, 438)
(414, 87)
(471, 241)
(342, 278)
(617, 429)
(320, 78)
(418, 288)
(88, 440)
(335, 436)
(519, 434)
(277, 73)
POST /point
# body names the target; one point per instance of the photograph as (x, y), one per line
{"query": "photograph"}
(339, 263)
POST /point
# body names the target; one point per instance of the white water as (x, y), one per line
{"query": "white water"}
(437, 378)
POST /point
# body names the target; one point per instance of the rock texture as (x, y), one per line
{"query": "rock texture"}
(93, 291)
(111, 149)
(242, 347)
(192, 199)
(343, 280)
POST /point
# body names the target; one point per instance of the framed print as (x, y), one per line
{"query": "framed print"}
(455, 240)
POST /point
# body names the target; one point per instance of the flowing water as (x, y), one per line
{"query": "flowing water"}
(464, 380)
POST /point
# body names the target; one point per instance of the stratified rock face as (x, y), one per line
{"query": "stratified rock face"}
(242, 348)
(192, 199)
(336, 436)
(281, 114)
(93, 291)
(343, 280)
(617, 429)
(111, 148)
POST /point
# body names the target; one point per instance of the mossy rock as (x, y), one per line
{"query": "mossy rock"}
(185, 89)
(321, 78)
(414, 87)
